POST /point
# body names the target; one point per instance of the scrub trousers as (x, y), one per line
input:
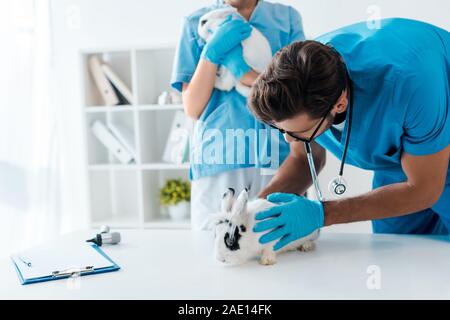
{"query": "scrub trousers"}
(207, 192)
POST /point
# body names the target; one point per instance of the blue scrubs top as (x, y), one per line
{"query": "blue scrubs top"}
(256, 146)
(401, 80)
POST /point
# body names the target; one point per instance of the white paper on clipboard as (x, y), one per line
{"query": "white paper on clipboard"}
(47, 259)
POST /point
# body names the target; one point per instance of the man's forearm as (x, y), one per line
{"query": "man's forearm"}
(386, 202)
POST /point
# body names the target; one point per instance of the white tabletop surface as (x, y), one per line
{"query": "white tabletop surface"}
(162, 264)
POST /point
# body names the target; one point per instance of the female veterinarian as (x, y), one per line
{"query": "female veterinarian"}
(194, 74)
(385, 94)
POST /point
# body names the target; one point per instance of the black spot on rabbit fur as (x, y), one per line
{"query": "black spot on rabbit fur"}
(232, 243)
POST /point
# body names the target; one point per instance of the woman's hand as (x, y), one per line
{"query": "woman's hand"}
(229, 34)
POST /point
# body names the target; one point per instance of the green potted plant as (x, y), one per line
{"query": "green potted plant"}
(176, 195)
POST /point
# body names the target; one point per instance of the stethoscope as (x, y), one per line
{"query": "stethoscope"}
(337, 186)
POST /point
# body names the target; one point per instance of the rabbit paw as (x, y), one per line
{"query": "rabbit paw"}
(268, 258)
(307, 246)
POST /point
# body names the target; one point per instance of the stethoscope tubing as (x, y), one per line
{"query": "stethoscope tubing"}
(310, 157)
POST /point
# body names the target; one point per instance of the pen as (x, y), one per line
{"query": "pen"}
(25, 262)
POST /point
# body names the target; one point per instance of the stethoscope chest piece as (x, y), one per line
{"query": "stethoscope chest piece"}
(337, 186)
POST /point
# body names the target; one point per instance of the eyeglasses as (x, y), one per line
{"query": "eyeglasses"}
(297, 138)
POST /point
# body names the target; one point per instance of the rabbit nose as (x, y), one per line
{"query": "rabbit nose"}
(221, 258)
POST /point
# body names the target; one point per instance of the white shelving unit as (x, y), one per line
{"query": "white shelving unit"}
(127, 196)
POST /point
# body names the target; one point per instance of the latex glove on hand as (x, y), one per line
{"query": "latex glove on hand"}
(296, 217)
(235, 63)
(229, 34)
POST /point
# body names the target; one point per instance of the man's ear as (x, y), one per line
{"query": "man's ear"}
(342, 103)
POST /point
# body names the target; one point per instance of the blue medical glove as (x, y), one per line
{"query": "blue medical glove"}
(229, 34)
(296, 217)
(234, 61)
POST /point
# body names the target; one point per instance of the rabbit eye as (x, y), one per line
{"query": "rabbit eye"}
(202, 23)
(223, 221)
(232, 243)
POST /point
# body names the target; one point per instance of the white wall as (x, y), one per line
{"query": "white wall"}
(120, 23)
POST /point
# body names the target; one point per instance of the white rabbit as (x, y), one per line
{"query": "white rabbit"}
(256, 49)
(235, 241)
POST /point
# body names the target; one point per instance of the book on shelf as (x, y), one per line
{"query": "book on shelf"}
(124, 135)
(103, 85)
(121, 89)
(177, 146)
(111, 142)
(111, 88)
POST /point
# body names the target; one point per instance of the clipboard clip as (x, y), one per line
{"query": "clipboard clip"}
(72, 272)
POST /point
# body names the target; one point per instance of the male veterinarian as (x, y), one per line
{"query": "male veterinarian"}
(394, 81)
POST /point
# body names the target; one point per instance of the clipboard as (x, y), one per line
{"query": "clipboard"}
(61, 262)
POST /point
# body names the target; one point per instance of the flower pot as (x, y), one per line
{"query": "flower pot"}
(179, 211)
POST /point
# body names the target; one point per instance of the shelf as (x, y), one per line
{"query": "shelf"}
(144, 107)
(160, 107)
(165, 166)
(127, 195)
(102, 167)
(94, 109)
(149, 166)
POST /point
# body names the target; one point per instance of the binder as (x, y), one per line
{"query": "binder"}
(119, 85)
(177, 145)
(61, 261)
(124, 135)
(104, 86)
(107, 138)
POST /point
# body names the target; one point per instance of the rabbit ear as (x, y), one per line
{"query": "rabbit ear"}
(227, 200)
(212, 220)
(240, 206)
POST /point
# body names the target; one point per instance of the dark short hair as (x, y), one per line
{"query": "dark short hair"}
(304, 77)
